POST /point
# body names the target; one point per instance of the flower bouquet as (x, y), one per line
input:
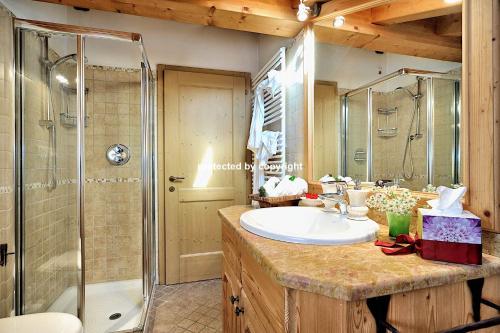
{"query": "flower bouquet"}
(397, 203)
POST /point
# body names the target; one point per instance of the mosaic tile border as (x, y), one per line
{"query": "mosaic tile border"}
(112, 180)
(67, 181)
(113, 69)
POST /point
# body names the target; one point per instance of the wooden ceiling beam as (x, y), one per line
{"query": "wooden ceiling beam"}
(331, 9)
(410, 10)
(410, 39)
(449, 25)
(272, 18)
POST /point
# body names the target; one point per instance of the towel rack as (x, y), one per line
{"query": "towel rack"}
(274, 116)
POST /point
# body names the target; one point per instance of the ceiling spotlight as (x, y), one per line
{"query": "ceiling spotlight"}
(452, 1)
(338, 21)
(303, 11)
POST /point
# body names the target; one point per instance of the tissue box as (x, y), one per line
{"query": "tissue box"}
(450, 238)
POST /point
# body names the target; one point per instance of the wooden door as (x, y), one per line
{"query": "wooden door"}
(206, 124)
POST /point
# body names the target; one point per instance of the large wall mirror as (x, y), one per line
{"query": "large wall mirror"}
(388, 106)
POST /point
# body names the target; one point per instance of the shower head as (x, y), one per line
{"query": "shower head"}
(409, 92)
(61, 60)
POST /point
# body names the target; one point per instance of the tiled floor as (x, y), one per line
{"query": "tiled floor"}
(189, 307)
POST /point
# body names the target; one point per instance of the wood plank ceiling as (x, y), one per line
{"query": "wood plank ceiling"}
(424, 28)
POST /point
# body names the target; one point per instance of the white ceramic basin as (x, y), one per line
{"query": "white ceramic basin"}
(49, 322)
(307, 225)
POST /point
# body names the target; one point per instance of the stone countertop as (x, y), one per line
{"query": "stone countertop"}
(350, 272)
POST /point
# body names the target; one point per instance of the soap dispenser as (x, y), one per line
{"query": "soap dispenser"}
(357, 202)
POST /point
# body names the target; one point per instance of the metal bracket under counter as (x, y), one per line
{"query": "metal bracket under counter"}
(379, 307)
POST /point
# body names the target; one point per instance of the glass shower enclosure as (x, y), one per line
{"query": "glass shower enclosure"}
(84, 169)
(404, 128)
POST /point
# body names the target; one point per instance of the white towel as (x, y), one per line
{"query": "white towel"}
(268, 147)
(255, 143)
(271, 84)
(270, 186)
(290, 187)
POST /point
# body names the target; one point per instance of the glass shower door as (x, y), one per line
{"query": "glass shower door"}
(446, 123)
(356, 147)
(47, 172)
(115, 147)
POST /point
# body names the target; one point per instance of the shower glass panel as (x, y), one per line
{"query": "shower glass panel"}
(404, 129)
(46, 90)
(85, 171)
(446, 118)
(113, 216)
(356, 126)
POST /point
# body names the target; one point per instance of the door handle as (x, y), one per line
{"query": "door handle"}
(174, 179)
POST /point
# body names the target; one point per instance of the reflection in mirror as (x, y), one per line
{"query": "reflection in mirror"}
(383, 116)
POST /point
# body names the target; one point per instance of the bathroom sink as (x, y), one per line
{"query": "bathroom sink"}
(307, 225)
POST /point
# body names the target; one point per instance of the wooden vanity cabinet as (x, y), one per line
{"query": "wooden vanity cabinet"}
(255, 303)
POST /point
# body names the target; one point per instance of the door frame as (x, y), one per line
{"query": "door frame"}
(162, 181)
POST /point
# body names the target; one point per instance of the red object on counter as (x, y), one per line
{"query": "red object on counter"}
(395, 248)
(311, 196)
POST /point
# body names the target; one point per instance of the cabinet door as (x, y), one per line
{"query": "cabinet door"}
(250, 323)
(230, 300)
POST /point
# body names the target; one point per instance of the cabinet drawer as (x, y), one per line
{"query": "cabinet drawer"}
(231, 250)
(266, 296)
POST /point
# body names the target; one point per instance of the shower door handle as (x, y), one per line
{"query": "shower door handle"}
(174, 179)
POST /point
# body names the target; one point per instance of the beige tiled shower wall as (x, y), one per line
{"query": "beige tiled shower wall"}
(444, 118)
(50, 224)
(6, 159)
(388, 151)
(113, 226)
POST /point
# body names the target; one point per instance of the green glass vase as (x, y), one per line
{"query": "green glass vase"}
(398, 224)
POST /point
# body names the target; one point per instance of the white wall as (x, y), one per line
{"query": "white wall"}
(167, 42)
(352, 67)
(269, 45)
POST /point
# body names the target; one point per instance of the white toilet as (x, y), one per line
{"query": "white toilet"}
(49, 322)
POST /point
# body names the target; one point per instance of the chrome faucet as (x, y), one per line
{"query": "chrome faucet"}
(337, 197)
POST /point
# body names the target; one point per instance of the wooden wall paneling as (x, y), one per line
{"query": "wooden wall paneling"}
(496, 109)
(478, 18)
